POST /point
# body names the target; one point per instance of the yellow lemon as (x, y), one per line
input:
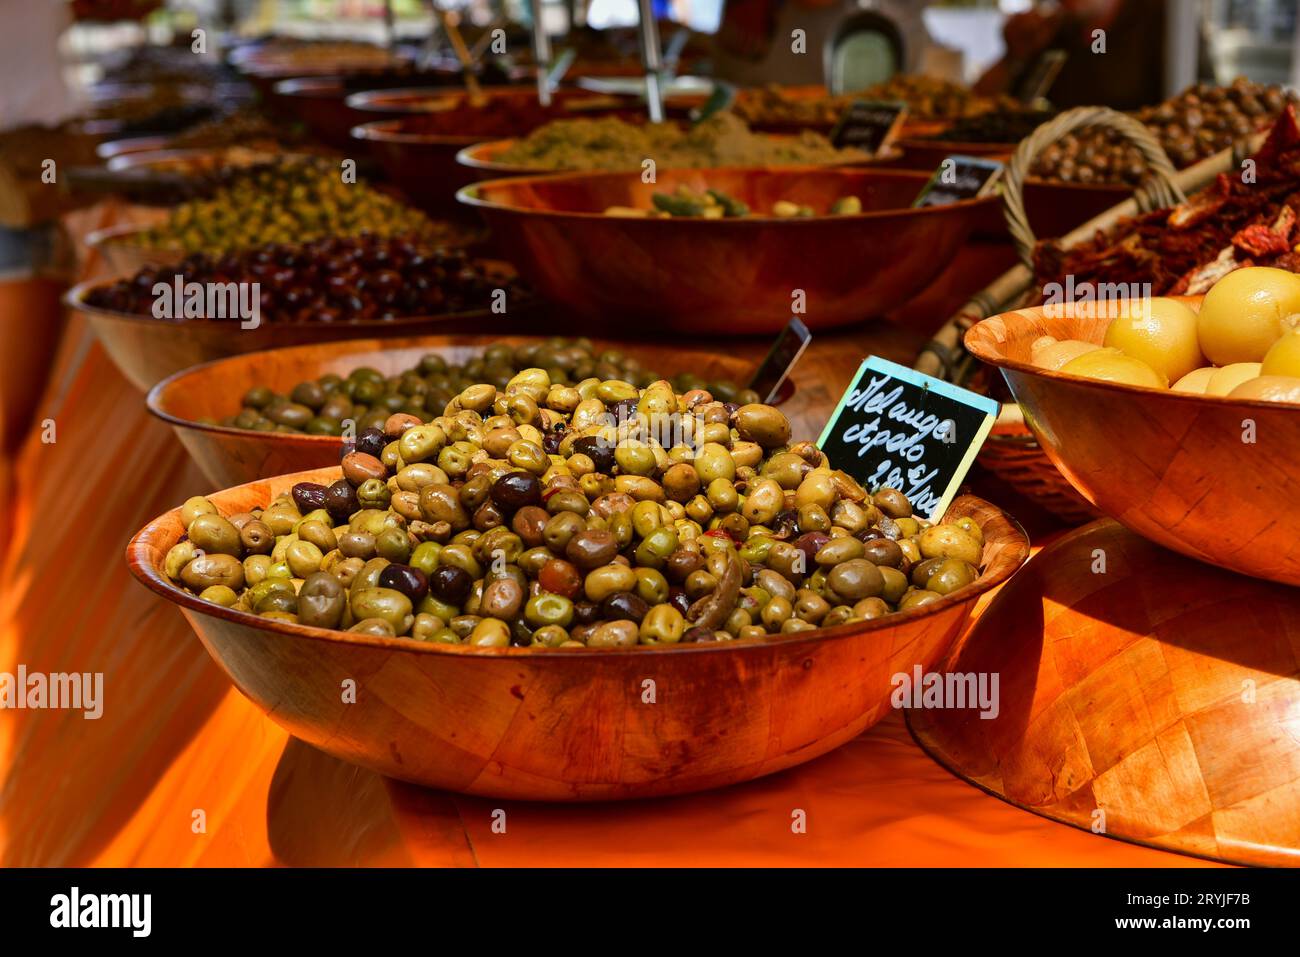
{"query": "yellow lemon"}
(1195, 381)
(1229, 377)
(1270, 388)
(1049, 353)
(1111, 365)
(1161, 332)
(1284, 357)
(1245, 312)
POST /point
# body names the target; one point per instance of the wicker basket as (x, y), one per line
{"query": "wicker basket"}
(1011, 452)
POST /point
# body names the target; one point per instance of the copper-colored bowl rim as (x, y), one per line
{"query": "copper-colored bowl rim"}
(364, 101)
(468, 196)
(376, 131)
(137, 556)
(74, 298)
(1009, 319)
(470, 157)
(153, 399)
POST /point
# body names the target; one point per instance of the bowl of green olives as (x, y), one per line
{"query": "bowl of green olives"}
(569, 593)
(287, 410)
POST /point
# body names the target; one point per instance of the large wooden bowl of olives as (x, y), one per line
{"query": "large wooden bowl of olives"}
(565, 723)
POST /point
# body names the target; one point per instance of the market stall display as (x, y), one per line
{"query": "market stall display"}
(474, 369)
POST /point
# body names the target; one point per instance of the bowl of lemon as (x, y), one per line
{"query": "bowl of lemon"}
(1179, 417)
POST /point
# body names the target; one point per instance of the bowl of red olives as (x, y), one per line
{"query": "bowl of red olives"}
(162, 319)
(532, 596)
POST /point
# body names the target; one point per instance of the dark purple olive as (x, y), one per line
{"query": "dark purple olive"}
(551, 442)
(699, 634)
(520, 633)
(514, 490)
(678, 599)
(624, 604)
(600, 452)
(450, 584)
(411, 582)
(585, 612)
(810, 543)
(786, 525)
(372, 441)
(308, 496)
(341, 500)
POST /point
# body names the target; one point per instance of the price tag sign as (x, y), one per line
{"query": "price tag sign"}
(960, 177)
(723, 95)
(869, 125)
(897, 428)
(780, 359)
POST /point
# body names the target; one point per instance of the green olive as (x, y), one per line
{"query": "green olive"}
(604, 581)
(949, 541)
(762, 424)
(215, 535)
(384, 603)
(217, 569)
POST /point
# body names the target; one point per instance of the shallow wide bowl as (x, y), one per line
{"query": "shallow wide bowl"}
(123, 257)
(1172, 467)
(1151, 698)
(230, 456)
(571, 724)
(148, 350)
(725, 276)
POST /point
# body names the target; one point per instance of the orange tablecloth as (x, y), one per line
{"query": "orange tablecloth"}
(181, 770)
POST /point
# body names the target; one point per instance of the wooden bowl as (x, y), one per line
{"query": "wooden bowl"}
(418, 150)
(123, 257)
(135, 144)
(148, 350)
(571, 724)
(230, 456)
(1171, 466)
(1152, 698)
(725, 276)
(320, 103)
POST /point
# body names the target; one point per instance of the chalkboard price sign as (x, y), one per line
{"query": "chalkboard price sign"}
(869, 125)
(960, 177)
(897, 428)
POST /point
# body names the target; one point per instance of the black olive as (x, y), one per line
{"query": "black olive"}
(411, 582)
(514, 490)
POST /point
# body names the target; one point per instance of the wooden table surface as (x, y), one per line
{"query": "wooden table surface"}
(182, 770)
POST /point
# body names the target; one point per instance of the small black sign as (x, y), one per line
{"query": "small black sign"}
(960, 177)
(869, 125)
(723, 95)
(780, 359)
(897, 428)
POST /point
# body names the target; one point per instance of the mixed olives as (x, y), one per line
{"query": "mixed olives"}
(598, 515)
(366, 397)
